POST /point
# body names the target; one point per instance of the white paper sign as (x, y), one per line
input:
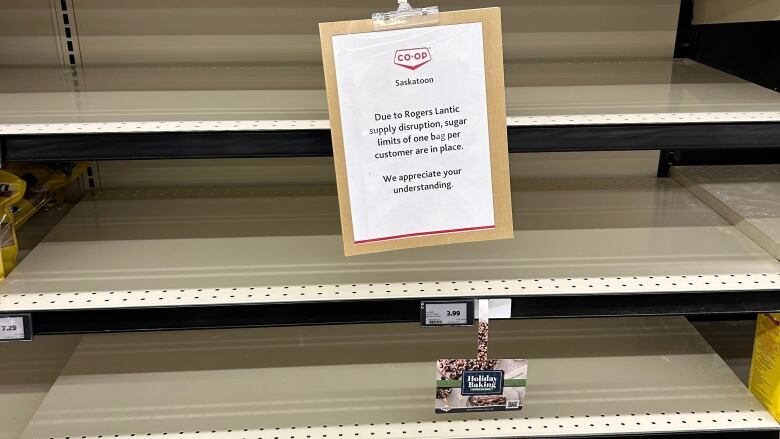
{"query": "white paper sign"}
(415, 129)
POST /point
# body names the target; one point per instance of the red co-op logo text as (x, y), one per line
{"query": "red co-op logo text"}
(412, 59)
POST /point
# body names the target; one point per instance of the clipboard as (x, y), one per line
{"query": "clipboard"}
(490, 21)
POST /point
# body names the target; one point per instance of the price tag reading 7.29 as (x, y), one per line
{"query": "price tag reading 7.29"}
(451, 313)
(12, 328)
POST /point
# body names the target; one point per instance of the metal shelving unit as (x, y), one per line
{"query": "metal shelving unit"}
(175, 244)
(604, 377)
(193, 258)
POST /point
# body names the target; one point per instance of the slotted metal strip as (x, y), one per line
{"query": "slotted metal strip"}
(586, 377)
(403, 290)
(320, 124)
(645, 118)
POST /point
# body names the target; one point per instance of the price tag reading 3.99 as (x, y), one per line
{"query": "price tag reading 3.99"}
(447, 313)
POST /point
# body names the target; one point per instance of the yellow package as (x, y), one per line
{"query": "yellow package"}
(11, 191)
(43, 180)
(765, 367)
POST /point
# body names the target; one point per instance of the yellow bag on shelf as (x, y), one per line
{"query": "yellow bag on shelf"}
(12, 189)
(43, 180)
(764, 379)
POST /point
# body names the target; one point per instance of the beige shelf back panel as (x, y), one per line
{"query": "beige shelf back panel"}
(27, 372)
(586, 377)
(233, 32)
(595, 72)
(178, 174)
(747, 195)
(258, 245)
(198, 32)
(730, 11)
(28, 35)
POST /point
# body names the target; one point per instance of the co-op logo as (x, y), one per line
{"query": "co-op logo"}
(412, 59)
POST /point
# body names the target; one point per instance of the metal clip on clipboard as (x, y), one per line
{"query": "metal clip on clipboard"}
(405, 16)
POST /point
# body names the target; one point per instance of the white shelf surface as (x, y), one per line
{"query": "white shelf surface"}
(241, 98)
(586, 377)
(27, 372)
(145, 248)
(747, 195)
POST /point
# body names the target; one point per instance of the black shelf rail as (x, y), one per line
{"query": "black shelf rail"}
(313, 143)
(726, 303)
(724, 434)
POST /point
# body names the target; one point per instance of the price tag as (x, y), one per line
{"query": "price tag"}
(451, 313)
(15, 327)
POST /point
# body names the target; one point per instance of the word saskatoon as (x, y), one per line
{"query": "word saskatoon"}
(413, 81)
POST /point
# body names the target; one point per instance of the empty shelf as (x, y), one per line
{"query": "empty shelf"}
(250, 98)
(586, 377)
(260, 246)
(748, 196)
(27, 372)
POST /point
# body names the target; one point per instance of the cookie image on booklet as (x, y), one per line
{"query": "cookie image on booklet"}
(480, 385)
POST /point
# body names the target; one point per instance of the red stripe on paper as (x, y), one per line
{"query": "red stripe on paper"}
(435, 232)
